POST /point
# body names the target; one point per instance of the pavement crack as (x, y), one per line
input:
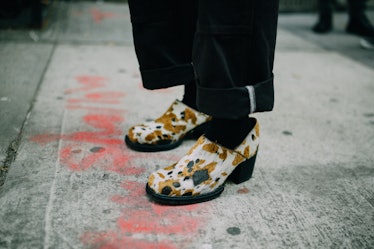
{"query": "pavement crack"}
(12, 150)
(11, 154)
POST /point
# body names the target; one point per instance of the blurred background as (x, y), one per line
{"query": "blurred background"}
(36, 13)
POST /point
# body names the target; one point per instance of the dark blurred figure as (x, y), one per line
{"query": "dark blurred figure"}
(358, 23)
(10, 8)
(22, 13)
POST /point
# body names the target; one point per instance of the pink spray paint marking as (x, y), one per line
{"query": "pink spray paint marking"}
(106, 136)
(88, 83)
(98, 15)
(140, 216)
(113, 240)
(101, 145)
(99, 98)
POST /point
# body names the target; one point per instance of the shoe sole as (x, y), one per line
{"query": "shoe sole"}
(366, 45)
(183, 200)
(241, 174)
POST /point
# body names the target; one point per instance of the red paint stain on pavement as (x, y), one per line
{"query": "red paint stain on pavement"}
(142, 217)
(107, 132)
(107, 124)
(88, 83)
(113, 240)
(98, 16)
(111, 159)
(95, 109)
(100, 98)
(142, 224)
(148, 222)
(44, 139)
(103, 130)
(243, 190)
(112, 156)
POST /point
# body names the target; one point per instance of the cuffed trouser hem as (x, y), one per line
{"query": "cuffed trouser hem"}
(238, 102)
(167, 77)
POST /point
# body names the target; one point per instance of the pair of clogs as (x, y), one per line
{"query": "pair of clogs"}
(201, 174)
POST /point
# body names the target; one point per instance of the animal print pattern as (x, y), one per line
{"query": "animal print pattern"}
(204, 168)
(172, 126)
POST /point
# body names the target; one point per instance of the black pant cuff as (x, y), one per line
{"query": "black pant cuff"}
(167, 77)
(238, 102)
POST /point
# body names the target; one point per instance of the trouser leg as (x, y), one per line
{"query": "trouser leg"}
(359, 23)
(233, 56)
(163, 35)
(325, 8)
(324, 23)
(356, 8)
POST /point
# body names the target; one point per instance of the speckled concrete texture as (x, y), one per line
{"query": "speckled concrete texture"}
(70, 92)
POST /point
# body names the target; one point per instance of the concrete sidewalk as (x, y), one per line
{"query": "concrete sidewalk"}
(69, 93)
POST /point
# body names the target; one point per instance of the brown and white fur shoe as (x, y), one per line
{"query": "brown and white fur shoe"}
(168, 131)
(201, 174)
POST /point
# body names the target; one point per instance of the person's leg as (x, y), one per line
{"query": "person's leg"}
(324, 23)
(359, 23)
(163, 34)
(233, 58)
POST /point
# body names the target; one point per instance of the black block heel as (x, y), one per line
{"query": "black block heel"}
(243, 171)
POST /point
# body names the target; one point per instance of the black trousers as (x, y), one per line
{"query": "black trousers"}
(226, 46)
(356, 8)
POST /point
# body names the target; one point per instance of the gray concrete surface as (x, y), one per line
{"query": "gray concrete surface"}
(74, 184)
(20, 77)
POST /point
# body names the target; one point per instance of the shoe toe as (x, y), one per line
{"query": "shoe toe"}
(164, 184)
(149, 133)
(167, 131)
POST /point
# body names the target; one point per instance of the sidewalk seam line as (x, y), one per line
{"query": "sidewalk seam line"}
(51, 197)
